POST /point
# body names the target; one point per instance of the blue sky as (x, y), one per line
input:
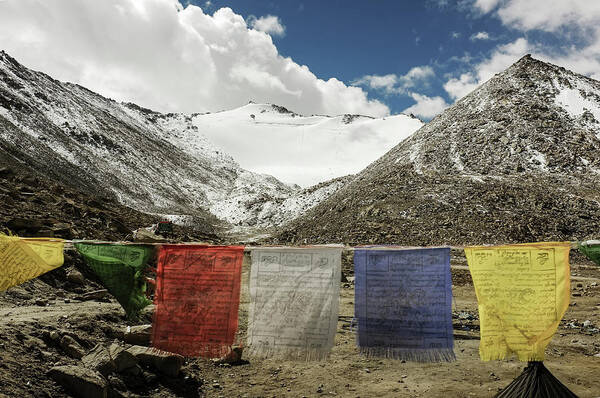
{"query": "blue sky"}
(350, 39)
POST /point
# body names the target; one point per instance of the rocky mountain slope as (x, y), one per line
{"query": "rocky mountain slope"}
(158, 163)
(516, 160)
(32, 205)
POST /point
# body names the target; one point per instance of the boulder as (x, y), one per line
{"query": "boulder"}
(79, 381)
(75, 277)
(233, 358)
(138, 335)
(98, 359)
(122, 358)
(72, 347)
(108, 360)
(163, 361)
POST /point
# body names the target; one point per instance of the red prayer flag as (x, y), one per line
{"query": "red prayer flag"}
(197, 299)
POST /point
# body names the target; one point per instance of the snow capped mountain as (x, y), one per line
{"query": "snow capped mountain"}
(305, 149)
(174, 164)
(532, 118)
(518, 159)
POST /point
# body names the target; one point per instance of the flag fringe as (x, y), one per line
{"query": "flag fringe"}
(497, 355)
(286, 353)
(413, 355)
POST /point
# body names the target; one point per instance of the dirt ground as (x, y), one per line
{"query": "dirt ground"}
(28, 313)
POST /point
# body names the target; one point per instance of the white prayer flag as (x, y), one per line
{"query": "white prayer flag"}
(294, 296)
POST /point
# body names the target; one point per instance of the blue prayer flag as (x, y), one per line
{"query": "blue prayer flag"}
(403, 302)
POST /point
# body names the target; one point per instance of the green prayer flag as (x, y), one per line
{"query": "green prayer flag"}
(591, 250)
(120, 268)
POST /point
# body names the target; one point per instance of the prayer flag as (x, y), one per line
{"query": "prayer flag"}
(403, 302)
(22, 259)
(294, 294)
(197, 299)
(121, 270)
(523, 292)
(591, 249)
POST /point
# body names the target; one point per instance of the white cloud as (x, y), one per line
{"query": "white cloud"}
(502, 58)
(565, 19)
(386, 83)
(163, 56)
(459, 87)
(549, 15)
(480, 36)
(394, 84)
(426, 107)
(486, 5)
(269, 24)
(418, 73)
(455, 35)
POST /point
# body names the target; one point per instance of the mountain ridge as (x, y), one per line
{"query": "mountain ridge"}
(510, 162)
(163, 164)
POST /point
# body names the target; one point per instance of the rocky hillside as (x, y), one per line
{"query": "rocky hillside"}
(32, 205)
(516, 160)
(164, 164)
(144, 159)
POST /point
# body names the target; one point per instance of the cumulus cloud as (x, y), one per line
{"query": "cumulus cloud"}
(502, 58)
(386, 83)
(167, 57)
(486, 5)
(480, 36)
(418, 73)
(565, 19)
(397, 84)
(548, 15)
(269, 24)
(426, 107)
(461, 86)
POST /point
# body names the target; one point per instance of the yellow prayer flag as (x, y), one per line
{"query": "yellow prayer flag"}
(523, 292)
(48, 249)
(24, 259)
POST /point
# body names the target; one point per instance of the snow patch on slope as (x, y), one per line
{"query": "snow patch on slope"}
(575, 104)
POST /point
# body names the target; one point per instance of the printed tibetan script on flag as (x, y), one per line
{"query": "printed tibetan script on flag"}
(523, 293)
(121, 270)
(22, 259)
(294, 295)
(403, 302)
(197, 299)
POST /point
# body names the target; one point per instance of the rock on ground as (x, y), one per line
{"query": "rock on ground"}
(79, 381)
(138, 335)
(108, 360)
(165, 362)
(72, 347)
